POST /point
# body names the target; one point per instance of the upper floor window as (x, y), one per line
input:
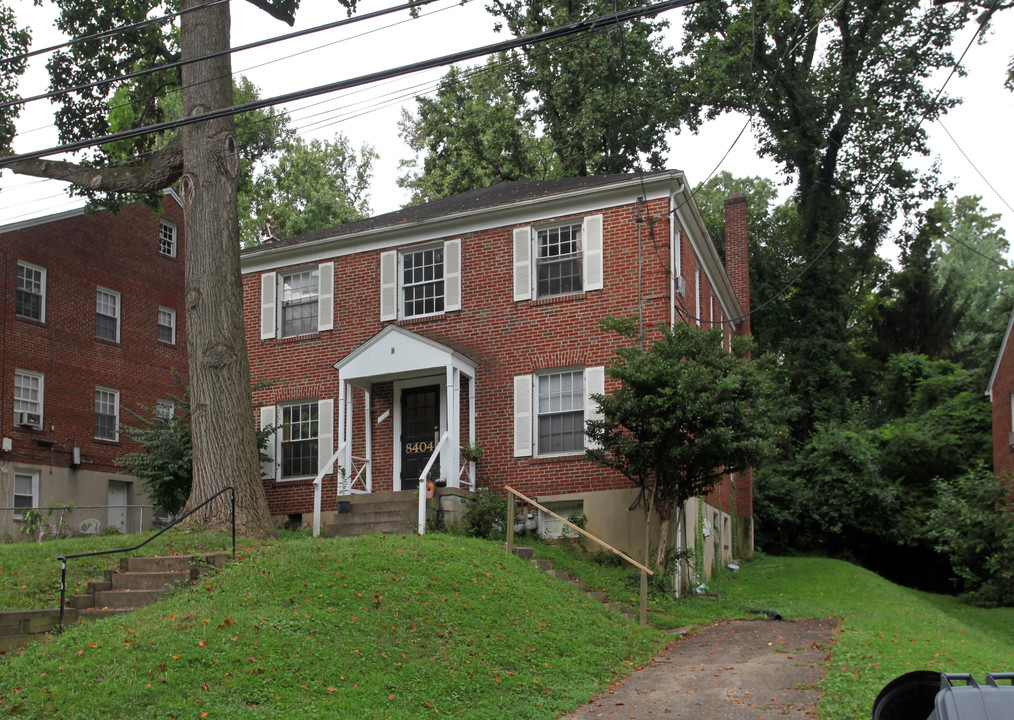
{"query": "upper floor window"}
(297, 302)
(107, 414)
(551, 408)
(420, 281)
(107, 315)
(26, 492)
(558, 259)
(167, 238)
(30, 293)
(167, 325)
(28, 398)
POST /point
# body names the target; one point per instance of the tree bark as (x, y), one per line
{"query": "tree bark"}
(225, 447)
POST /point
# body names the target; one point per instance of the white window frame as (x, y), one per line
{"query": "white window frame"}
(27, 404)
(115, 316)
(109, 396)
(167, 235)
(164, 410)
(526, 409)
(405, 284)
(274, 414)
(171, 315)
(271, 294)
(392, 286)
(41, 280)
(33, 477)
(526, 257)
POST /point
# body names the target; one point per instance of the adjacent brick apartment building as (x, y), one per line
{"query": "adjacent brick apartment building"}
(1001, 395)
(475, 319)
(92, 323)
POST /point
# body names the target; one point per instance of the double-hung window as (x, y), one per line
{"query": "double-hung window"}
(107, 315)
(167, 238)
(551, 408)
(562, 258)
(28, 397)
(26, 492)
(167, 325)
(107, 414)
(420, 281)
(302, 441)
(297, 302)
(30, 292)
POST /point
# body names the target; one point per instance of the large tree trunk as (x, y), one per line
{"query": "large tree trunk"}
(225, 447)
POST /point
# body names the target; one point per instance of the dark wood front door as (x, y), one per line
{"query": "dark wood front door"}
(420, 431)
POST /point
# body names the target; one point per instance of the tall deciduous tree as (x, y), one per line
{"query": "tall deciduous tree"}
(686, 412)
(838, 91)
(206, 162)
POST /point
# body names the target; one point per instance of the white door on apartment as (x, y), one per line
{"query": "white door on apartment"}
(117, 501)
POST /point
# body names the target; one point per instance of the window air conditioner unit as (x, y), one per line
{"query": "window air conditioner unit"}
(29, 420)
(681, 286)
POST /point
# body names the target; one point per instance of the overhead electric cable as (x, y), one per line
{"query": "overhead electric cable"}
(544, 36)
(961, 150)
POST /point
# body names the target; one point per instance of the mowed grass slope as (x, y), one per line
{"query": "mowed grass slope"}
(385, 627)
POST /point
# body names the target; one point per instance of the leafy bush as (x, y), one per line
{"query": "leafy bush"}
(486, 515)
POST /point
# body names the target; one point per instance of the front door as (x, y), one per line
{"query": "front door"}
(117, 500)
(420, 431)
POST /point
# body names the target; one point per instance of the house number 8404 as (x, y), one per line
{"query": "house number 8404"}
(418, 447)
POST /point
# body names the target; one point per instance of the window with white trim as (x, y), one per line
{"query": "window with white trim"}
(30, 292)
(420, 281)
(26, 492)
(107, 315)
(28, 398)
(557, 259)
(551, 408)
(297, 302)
(107, 414)
(302, 442)
(164, 411)
(167, 238)
(167, 325)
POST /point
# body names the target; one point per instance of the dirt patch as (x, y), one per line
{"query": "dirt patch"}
(727, 671)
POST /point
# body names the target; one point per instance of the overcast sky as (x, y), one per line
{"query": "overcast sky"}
(980, 127)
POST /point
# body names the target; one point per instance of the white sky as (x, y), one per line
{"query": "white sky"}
(981, 126)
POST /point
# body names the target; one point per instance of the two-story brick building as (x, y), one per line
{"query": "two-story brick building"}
(475, 319)
(92, 323)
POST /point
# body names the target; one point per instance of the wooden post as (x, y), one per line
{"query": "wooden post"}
(644, 598)
(510, 523)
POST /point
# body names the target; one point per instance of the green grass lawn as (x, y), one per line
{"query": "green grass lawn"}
(403, 627)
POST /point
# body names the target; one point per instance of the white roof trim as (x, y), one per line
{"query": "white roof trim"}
(999, 356)
(395, 352)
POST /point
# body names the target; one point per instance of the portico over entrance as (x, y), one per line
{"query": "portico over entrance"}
(425, 382)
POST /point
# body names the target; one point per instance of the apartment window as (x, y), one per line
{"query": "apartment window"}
(560, 412)
(164, 411)
(167, 325)
(300, 430)
(107, 315)
(30, 293)
(26, 491)
(299, 302)
(558, 260)
(422, 282)
(107, 414)
(167, 238)
(28, 395)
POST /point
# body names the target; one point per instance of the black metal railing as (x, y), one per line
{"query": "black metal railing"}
(64, 558)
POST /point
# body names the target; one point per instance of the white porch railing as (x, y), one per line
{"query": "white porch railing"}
(422, 482)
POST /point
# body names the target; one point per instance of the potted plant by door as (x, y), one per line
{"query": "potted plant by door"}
(473, 451)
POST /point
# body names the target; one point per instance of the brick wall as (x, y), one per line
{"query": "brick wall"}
(1003, 386)
(81, 253)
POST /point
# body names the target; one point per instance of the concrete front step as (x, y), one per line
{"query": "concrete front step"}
(387, 513)
(148, 580)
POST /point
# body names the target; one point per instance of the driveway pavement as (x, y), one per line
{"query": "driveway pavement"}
(727, 671)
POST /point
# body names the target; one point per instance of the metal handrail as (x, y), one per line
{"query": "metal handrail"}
(64, 558)
(645, 572)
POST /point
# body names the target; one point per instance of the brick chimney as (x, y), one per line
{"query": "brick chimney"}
(737, 255)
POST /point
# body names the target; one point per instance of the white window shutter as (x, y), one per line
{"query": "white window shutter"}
(522, 415)
(325, 434)
(325, 296)
(269, 290)
(523, 264)
(269, 467)
(592, 242)
(389, 285)
(594, 383)
(452, 275)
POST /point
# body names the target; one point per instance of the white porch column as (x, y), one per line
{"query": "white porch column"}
(368, 413)
(349, 432)
(451, 453)
(471, 427)
(342, 438)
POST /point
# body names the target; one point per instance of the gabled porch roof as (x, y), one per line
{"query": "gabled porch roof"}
(394, 353)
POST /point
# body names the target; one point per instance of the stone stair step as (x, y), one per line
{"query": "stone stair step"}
(169, 563)
(126, 599)
(149, 580)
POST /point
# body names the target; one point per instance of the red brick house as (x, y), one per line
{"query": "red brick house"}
(92, 322)
(1001, 395)
(475, 319)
